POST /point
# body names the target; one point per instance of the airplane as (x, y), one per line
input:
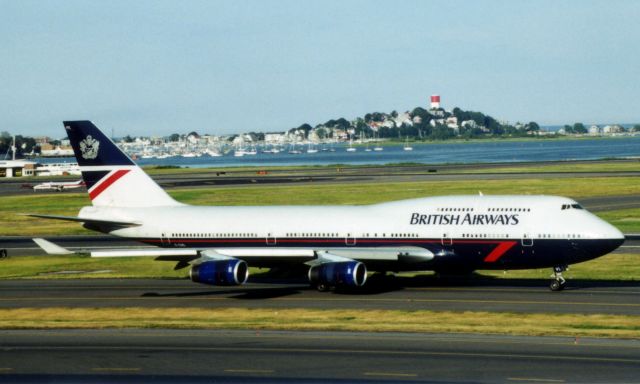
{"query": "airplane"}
(58, 186)
(339, 244)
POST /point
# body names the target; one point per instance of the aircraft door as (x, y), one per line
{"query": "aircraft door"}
(350, 239)
(446, 239)
(164, 240)
(271, 239)
(527, 240)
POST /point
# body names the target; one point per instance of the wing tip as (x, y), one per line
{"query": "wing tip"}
(51, 248)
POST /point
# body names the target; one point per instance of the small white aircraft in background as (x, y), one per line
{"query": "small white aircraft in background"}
(58, 186)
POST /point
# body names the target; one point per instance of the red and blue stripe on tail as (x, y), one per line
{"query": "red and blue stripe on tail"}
(112, 178)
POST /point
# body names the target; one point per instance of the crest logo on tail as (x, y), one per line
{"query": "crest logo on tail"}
(89, 148)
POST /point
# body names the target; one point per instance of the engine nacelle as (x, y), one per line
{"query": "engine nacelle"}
(220, 272)
(338, 274)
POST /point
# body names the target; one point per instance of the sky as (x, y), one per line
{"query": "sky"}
(153, 68)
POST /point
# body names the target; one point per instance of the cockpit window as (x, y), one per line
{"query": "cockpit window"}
(571, 206)
(576, 206)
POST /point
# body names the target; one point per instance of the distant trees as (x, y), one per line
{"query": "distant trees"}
(256, 136)
(305, 128)
(341, 123)
(441, 132)
(419, 123)
(322, 133)
(374, 117)
(24, 144)
(5, 142)
(424, 115)
(577, 128)
(532, 126)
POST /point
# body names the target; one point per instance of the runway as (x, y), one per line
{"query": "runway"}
(160, 356)
(426, 293)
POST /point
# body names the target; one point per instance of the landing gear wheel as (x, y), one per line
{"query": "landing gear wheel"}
(323, 287)
(556, 285)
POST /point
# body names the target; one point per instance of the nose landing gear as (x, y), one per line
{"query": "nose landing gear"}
(558, 282)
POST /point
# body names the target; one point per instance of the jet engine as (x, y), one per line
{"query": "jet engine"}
(220, 272)
(338, 274)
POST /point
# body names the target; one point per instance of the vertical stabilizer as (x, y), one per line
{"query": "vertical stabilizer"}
(112, 178)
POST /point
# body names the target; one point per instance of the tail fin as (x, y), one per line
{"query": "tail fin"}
(111, 177)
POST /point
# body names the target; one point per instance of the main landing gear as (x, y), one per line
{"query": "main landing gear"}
(558, 282)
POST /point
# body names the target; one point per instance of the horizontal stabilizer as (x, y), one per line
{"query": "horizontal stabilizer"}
(114, 224)
(50, 248)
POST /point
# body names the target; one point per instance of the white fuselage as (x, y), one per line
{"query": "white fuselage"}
(468, 225)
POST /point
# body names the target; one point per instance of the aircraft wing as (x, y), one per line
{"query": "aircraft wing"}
(54, 249)
(259, 256)
(92, 223)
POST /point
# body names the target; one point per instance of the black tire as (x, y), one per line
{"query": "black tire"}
(556, 286)
(3, 253)
(321, 287)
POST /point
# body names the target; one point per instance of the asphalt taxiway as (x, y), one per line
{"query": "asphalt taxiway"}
(401, 293)
(160, 356)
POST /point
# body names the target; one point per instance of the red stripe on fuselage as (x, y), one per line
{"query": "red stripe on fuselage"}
(499, 251)
(101, 187)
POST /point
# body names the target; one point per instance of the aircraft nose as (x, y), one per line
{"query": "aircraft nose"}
(613, 233)
(611, 237)
(610, 245)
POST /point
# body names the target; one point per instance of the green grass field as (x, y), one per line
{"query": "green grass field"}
(614, 166)
(599, 325)
(558, 166)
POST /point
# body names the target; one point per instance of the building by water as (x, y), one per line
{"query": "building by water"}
(17, 168)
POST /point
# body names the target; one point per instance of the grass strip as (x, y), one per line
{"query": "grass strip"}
(612, 267)
(75, 266)
(594, 325)
(596, 166)
(626, 220)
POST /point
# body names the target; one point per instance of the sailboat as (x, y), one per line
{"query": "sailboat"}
(351, 147)
(377, 148)
(252, 151)
(367, 149)
(293, 150)
(407, 147)
(312, 149)
(240, 150)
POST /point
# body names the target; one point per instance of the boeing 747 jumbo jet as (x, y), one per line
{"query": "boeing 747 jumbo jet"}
(338, 243)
